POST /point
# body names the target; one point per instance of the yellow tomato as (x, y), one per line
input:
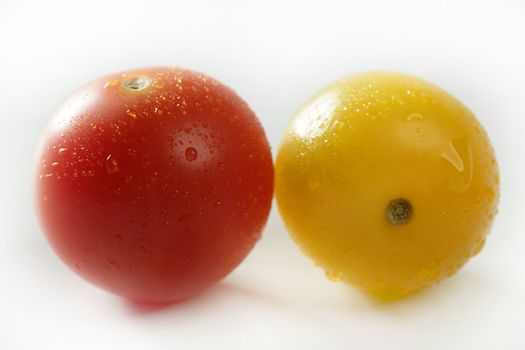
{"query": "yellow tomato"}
(387, 182)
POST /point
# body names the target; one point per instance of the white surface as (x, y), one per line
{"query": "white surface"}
(275, 55)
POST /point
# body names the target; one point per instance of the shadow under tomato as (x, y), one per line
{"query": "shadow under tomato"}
(447, 291)
(143, 308)
(220, 293)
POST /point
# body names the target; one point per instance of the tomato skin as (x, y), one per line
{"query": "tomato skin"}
(153, 194)
(372, 142)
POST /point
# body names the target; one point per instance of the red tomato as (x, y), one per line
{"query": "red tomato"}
(154, 183)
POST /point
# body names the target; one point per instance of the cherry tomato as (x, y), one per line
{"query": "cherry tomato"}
(387, 182)
(153, 183)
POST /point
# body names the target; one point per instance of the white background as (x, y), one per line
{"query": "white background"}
(275, 54)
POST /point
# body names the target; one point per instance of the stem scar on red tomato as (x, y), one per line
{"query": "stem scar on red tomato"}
(153, 184)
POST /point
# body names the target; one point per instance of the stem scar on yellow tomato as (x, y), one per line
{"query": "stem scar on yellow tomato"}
(399, 211)
(387, 182)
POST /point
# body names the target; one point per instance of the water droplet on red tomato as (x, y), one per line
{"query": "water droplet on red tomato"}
(111, 165)
(190, 153)
(114, 264)
(118, 237)
(62, 151)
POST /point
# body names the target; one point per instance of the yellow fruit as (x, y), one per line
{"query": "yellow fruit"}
(387, 182)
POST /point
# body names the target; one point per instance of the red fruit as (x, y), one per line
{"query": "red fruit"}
(154, 183)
